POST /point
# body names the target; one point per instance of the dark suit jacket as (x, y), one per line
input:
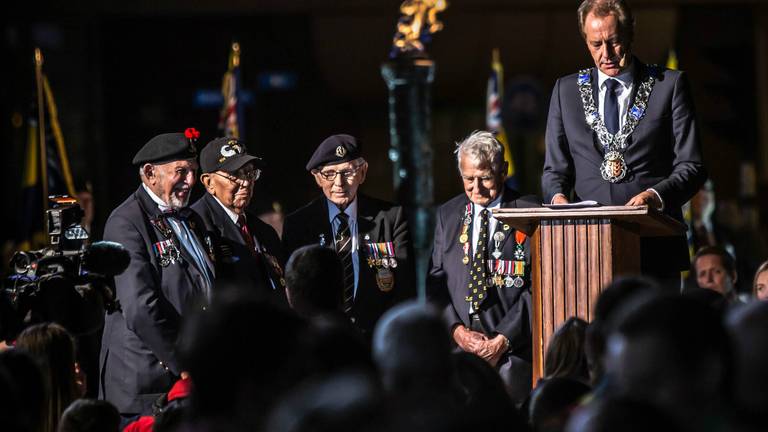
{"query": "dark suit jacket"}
(235, 264)
(662, 153)
(379, 222)
(138, 359)
(505, 310)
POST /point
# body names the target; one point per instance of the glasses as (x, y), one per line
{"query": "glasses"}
(330, 175)
(485, 179)
(242, 176)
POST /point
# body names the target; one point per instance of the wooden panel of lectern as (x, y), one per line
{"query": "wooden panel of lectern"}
(575, 252)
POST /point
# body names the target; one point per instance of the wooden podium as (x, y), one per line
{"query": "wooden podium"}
(575, 252)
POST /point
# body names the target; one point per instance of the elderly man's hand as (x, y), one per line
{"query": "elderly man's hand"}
(468, 340)
(494, 349)
(648, 198)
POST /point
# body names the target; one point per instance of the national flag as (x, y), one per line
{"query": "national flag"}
(493, 109)
(55, 172)
(231, 110)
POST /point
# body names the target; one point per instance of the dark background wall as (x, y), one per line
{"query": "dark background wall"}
(123, 73)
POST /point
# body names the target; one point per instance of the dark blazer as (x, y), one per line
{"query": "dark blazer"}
(377, 222)
(235, 264)
(663, 153)
(506, 310)
(138, 358)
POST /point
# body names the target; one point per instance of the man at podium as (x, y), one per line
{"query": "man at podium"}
(624, 133)
(480, 267)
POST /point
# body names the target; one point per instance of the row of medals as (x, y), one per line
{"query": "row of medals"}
(497, 279)
(385, 279)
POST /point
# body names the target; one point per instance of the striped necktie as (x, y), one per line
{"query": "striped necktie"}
(343, 243)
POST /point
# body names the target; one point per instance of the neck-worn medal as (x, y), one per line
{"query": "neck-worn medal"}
(464, 236)
(614, 167)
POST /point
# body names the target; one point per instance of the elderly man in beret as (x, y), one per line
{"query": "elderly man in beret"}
(370, 236)
(247, 251)
(170, 273)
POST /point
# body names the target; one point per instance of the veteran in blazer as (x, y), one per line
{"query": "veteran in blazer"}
(624, 133)
(247, 252)
(480, 268)
(370, 235)
(170, 272)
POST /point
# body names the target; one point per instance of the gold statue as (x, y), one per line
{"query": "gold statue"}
(417, 14)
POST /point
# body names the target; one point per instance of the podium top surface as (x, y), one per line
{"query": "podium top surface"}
(647, 222)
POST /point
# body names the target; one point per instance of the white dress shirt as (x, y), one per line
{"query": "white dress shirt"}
(624, 91)
(476, 220)
(351, 212)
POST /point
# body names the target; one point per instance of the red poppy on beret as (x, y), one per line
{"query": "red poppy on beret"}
(192, 133)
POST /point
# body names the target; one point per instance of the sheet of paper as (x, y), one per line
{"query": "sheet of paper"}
(576, 205)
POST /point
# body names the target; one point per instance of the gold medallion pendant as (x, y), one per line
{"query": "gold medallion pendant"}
(613, 168)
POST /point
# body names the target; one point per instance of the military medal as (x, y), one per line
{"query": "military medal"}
(166, 250)
(167, 253)
(392, 262)
(385, 280)
(322, 239)
(508, 281)
(614, 168)
(498, 237)
(464, 236)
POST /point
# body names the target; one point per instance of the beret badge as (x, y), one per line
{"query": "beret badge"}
(341, 151)
(192, 135)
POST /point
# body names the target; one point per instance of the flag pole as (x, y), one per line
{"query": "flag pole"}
(41, 130)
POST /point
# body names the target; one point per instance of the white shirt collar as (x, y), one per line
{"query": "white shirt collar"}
(232, 215)
(496, 203)
(160, 203)
(625, 78)
(351, 210)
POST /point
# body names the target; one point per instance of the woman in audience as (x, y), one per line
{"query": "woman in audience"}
(54, 349)
(565, 356)
(760, 284)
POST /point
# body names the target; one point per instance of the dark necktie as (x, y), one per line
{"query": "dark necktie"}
(343, 243)
(611, 108)
(478, 275)
(246, 234)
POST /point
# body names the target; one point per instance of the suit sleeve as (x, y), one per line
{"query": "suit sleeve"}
(437, 286)
(404, 250)
(289, 239)
(139, 294)
(558, 164)
(688, 173)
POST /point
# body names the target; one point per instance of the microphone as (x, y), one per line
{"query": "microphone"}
(106, 258)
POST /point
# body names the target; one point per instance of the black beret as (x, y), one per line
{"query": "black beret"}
(334, 150)
(168, 147)
(226, 154)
